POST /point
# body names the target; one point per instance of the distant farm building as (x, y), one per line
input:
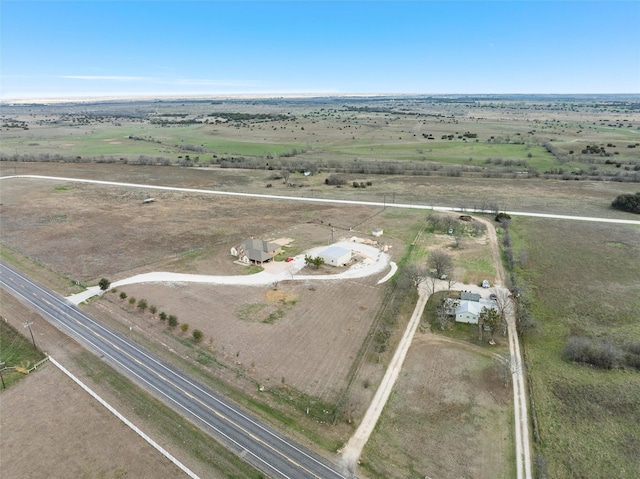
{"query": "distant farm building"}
(485, 283)
(377, 232)
(255, 251)
(467, 296)
(336, 256)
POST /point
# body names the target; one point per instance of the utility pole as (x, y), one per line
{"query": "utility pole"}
(28, 325)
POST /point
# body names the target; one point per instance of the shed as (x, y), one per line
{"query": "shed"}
(336, 256)
(377, 232)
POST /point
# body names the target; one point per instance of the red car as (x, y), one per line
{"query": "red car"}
(289, 259)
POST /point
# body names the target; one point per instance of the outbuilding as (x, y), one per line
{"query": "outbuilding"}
(336, 256)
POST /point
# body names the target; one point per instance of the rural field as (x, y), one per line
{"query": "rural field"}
(305, 354)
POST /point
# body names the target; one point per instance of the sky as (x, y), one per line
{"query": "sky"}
(67, 49)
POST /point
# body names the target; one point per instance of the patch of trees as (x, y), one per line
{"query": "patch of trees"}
(627, 202)
(311, 261)
(335, 180)
(251, 116)
(602, 354)
(362, 184)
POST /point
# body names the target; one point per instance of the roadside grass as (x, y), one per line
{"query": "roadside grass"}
(33, 269)
(583, 279)
(16, 350)
(182, 434)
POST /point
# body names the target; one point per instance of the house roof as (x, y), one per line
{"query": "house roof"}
(335, 252)
(258, 250)
(474, 307)
(466, 295)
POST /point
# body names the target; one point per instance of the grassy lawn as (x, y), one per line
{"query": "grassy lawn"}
(584, 281)
(16, 350)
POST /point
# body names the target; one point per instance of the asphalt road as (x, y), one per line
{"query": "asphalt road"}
(251, 439)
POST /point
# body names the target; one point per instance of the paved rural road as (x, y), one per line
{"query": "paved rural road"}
(252, 440)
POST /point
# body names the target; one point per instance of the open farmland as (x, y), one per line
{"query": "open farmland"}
(591, 137)
(306, 343)
(584, 281)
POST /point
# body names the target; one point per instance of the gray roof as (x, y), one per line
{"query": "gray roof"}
(466, 295)
(258, 250)
(335, 252)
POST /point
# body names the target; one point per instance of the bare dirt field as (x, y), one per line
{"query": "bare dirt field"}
(455, 401)
(50, 418)
(304, 335)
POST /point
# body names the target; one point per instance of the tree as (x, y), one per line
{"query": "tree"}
(153, 309)
(123, 295)
(630, 203)
(417, 273)
(285, 175)
(142, 305)
(173, 321)
(504, 303)
(491, 318)
(381, 341)
(132, 300)
(317, 261)
(104, 284)
(441, 262)
(184, 327)
(162, 316)
(197, 335)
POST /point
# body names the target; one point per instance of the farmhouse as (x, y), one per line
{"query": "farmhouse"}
(255, 250)
(336, 256)
(468, 311)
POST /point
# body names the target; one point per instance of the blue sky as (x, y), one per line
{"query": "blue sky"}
(110, 48)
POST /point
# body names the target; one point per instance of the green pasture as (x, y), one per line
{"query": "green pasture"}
(583, 279)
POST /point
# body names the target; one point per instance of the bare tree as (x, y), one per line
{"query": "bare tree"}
(441, 262)
(417, 273)
(285, 173)
(505, 306)
(491, 318)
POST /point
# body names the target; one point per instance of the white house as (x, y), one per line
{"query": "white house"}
(468, 311)
(336, 256)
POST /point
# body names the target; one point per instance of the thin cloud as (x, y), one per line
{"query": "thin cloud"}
(104, 78)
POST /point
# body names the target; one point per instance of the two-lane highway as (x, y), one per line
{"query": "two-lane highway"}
(254, 441)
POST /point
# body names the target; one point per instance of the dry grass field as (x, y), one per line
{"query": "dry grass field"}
(449, 416)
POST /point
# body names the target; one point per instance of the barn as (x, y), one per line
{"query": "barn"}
(336, 256)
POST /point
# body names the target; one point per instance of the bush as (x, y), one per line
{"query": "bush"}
(601, 355)
(142, 305)
(123, 295)
(162, 316)
(104, 284)
(173, 321)
(184, 327)
(197, 335)
(630, 203)
(500, 217)
(132, 300)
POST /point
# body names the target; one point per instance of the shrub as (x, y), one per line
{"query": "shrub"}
(173, 321)
(197, 335)
(500, 217)
(142, 305)
(104, 284)
(123, 295)
(184, 327)
(132, 300)
(630, 203)
(162, 316)
(153, 310)
(601, 355)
